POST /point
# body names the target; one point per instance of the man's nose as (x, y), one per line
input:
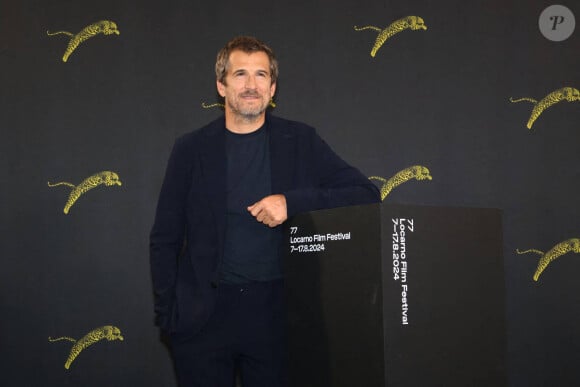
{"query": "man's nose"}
(250, 82)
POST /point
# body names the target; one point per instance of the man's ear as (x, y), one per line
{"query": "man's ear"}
(272, 90)
(221, 88)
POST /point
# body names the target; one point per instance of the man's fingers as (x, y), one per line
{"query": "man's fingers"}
(255, 208)
(271, 210)
(258, 211)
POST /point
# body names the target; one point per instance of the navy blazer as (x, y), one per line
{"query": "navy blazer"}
(187, 238)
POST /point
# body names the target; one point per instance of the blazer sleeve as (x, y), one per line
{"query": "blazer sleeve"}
(331, 181)
(166, 240)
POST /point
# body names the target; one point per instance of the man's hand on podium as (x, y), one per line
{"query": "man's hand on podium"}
(271, 210)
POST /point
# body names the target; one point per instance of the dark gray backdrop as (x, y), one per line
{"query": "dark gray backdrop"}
(438, 98)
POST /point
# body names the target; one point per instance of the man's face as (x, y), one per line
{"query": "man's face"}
(247, 86)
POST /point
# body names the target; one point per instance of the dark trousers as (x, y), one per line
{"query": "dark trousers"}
(247, 331)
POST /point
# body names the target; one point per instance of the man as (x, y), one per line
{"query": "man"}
(217, 238)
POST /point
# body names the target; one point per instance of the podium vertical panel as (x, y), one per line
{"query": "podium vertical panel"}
(425, 309)
(444, 308)
(333, 281)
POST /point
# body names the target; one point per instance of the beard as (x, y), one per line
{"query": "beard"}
(249, 112)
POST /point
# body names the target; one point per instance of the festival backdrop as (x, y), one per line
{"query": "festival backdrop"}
(441, 103)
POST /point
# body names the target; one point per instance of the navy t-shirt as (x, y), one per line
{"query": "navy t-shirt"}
(251, 247)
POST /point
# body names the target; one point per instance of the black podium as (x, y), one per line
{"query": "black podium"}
(425, 309)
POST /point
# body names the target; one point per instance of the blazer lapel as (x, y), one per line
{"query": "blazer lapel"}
(282, 155)
(213, 165)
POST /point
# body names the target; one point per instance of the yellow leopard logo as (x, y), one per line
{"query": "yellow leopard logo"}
(417, 172)
(570, 245)
(106, 178)
(569, 94)
(412, 23)
(107, 332)
(104, 27)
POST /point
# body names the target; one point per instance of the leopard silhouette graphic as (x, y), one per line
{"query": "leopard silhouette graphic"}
(412, 23)
(569, 94)
(106, 178)
(417, 172)
(105, 27)
(562, 248)
(107, 332)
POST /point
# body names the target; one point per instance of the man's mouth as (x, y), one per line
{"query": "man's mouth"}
(250, 95)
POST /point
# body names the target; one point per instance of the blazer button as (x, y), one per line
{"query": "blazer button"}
(214, 284)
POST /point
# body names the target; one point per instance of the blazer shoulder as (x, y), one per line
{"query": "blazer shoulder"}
(292, 127)
(195, 136)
